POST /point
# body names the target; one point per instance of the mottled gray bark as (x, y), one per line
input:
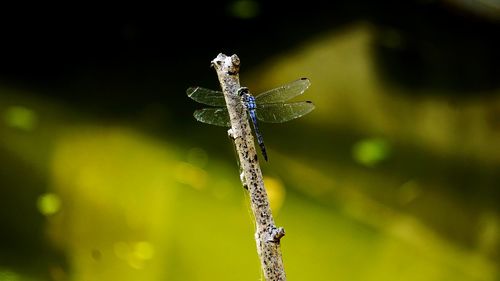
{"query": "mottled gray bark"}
(267, 235)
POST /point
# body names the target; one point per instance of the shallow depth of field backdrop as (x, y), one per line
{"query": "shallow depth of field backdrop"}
(105, 174)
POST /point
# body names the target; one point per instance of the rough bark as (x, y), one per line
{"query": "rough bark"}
(267, 235)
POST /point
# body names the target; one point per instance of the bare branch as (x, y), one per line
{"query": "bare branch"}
(267, 235)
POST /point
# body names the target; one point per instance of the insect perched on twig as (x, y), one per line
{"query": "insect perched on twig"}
(269, 106)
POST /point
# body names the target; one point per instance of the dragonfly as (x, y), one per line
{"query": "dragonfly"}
(270, 106)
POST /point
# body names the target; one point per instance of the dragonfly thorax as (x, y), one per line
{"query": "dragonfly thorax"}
(247, 99)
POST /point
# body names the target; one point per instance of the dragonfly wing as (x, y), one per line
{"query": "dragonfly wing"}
(282, 112)
(213, 116)
(206, 96)
(284, 93)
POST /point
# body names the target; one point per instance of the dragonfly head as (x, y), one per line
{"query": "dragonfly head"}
(243, 91)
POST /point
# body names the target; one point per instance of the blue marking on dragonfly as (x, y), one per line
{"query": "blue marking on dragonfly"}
(270, 106)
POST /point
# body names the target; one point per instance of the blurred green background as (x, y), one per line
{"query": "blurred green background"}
(105, 174)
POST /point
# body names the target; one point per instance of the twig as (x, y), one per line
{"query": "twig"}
(267, 235)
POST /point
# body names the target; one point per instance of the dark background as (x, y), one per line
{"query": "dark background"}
(141, 51)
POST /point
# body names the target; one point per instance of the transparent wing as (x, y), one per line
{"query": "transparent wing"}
(213, 116)
(284, 93)
(282, 112)
(206, 96)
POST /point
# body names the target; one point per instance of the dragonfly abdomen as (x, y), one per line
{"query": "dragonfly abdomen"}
(260, 139)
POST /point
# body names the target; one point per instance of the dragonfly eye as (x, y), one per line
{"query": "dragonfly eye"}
(242, 91)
